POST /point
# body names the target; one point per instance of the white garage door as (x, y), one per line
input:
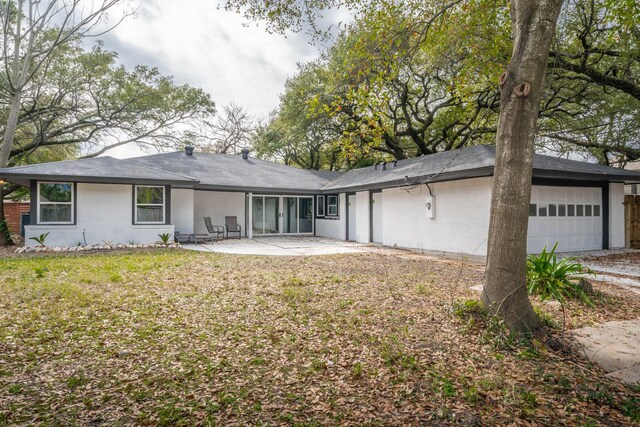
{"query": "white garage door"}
(571, 216)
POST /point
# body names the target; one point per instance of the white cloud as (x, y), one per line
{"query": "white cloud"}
(206, 47)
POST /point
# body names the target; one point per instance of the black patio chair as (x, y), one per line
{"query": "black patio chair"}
(216, 231)
(231, 223)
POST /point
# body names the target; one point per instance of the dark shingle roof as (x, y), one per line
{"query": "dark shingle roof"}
(447, 165)
(232, 172)
(469, 162)
(98, 169)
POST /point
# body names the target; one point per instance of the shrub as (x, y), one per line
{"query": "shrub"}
(164, 237)
(40, 239)
(549, 277)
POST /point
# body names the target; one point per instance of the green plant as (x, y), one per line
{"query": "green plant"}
(40, 271)
(357, 370)
(164, 238)
(469, 308)
(546, 319)
(550, 278)
(4, 229)
(631, 408)
(40, 239)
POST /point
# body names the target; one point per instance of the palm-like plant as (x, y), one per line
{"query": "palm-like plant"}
(164, 238)
(40, 239)
(550, 278)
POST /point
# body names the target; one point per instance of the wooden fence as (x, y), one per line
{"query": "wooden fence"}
(632, 221)
(12, 211)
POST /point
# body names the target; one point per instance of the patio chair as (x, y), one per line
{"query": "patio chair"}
(231, 223)
(216, 231)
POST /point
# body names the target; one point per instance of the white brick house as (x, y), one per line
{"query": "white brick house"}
(437, 203)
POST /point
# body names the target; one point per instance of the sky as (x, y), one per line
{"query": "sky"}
(232, 59)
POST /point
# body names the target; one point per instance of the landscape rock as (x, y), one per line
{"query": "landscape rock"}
(96, 247)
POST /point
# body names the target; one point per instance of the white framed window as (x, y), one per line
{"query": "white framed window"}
(150, 204)
(320, 206)
(332, 205)
(55, 202)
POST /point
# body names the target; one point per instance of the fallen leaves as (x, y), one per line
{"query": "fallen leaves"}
(189, 338)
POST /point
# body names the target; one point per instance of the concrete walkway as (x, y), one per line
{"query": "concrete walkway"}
(283, 246)
(615, 346)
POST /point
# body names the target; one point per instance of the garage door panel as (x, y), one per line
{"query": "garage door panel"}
(573, 233)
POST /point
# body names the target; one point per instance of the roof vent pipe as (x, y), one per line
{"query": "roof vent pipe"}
(188, 150)
(245, 153)
(395, 163)
(384, 166)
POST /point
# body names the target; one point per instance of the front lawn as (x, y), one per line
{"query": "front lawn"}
(177, 337)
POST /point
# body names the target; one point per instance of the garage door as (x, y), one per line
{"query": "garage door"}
(571, 216)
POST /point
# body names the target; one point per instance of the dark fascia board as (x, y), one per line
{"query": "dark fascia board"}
(255, 190)
(446, 176)
(483, 172)
(543, 173)
(24, 180)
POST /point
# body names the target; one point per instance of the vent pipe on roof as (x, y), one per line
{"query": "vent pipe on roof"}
(188, 150)
(245, 153)
(384, 166)
(395, 163)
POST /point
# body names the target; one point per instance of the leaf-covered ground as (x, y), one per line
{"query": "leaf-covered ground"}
(177, 337)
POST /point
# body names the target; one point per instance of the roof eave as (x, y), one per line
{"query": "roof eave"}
(22, 179)
(257, 190)
(555, 174)
(430, 178)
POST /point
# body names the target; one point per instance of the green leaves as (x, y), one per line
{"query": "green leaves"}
(40, 239)
(84, 101)
(550, 278)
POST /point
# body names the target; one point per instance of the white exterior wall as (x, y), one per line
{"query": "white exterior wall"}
(363, 217)
(217, 205)
(460, 223)
(334, 228)
(182, 210)
(104, 213)
(616, 215)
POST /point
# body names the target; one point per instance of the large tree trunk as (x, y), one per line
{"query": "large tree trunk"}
(5, 151)
(5, 237)
(10, 129)
(521, 88)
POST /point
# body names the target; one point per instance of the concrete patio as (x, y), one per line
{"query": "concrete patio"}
(282, 246)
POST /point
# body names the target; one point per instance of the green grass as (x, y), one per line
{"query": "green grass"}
(185, 338)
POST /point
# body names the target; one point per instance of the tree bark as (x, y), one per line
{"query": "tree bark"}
(521, 88)
(5, 237)
(5, 150)
(10, 129)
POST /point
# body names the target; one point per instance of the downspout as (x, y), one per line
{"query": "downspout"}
(250, 222)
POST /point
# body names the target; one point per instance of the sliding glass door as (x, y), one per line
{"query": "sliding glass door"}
(266, 215)
(296, 213)
(290, 214)
(305, 215)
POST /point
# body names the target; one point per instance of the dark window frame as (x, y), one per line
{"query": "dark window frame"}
(166, 195)
(320, 204)
(73, 203)
(327, 212)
